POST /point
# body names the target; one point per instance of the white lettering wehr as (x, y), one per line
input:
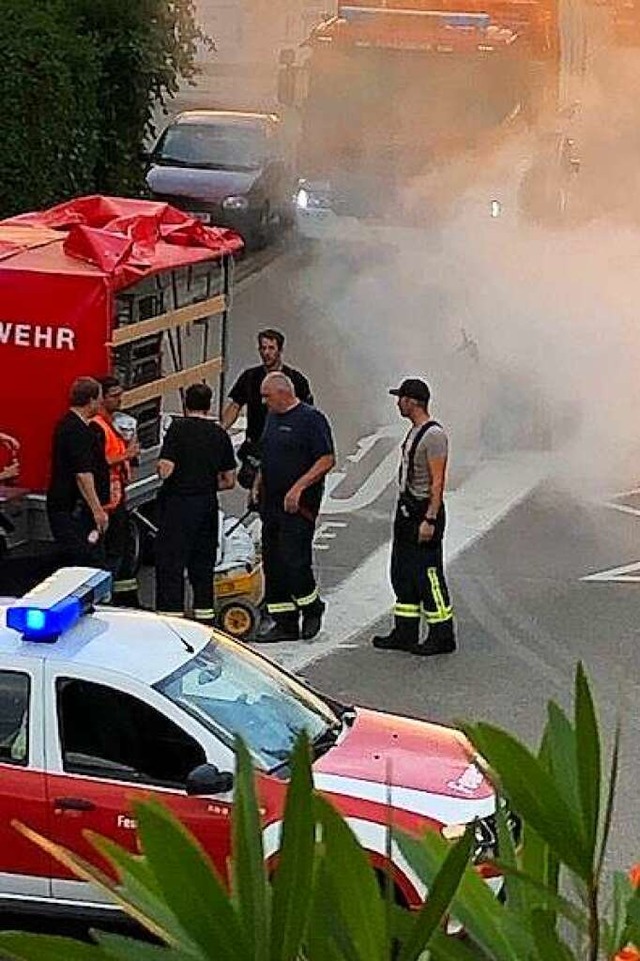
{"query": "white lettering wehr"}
(40, 336)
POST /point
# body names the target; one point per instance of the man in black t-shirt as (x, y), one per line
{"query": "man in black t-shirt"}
(79, 484)
(196, 461)
(297, 453)
(246, 393)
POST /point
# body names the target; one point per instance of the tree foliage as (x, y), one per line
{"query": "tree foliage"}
(81, 81)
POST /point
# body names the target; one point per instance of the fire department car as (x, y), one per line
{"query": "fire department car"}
(101, 706)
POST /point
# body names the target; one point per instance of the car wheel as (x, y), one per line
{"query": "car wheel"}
(259, 236)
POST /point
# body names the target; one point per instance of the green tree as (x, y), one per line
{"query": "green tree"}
(143, 49)
(49, 107)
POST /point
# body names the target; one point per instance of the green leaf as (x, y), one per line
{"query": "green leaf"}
(139, 889)
(548, 943)
(540, 864)
(441, 893)
(349, 875)
(561, 755)
(508, 856)
(118, 948)
(250, 885)
(38, 947)
(443, 947)
(588, 759)
(474, 904)
(552, 901)
(533, 793)
(328, 933)
(193, 892)
(622, 893)
(632, 930)
(293, 877)
(611, 793)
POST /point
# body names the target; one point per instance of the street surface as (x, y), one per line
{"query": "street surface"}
(543, 440)
(544, 505)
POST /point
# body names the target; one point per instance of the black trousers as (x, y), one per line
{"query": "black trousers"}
(287, 558)
(417, 569)
(71, 531)
(120, 550)
(187, 539)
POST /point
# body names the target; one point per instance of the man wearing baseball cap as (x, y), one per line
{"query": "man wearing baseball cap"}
(417, 572)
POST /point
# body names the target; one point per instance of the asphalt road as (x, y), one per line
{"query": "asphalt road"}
(553, 313)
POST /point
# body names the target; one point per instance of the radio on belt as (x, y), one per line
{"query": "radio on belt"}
(58, 603)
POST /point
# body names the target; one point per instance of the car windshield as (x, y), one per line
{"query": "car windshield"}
(234, 692)
(222, 147)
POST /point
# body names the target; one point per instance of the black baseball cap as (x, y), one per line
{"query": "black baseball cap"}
(414, 388)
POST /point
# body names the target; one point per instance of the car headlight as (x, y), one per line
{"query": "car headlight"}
(235, 203)
(302, 198)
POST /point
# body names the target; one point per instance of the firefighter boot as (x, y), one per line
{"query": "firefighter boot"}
(284, 628)
(404, 636)
(312, 619)
(127, 598)
(440, 640)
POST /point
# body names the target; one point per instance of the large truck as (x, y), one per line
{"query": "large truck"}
(95, 286)
(384, 92)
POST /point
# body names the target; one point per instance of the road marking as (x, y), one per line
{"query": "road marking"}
(486, 497)
(375, 484)
(628, 574)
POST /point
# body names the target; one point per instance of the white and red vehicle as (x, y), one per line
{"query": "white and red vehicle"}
(100, 707)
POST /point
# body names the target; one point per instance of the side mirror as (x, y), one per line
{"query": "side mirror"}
(207, 779)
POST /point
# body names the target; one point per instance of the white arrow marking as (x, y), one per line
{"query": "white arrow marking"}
(629, 574)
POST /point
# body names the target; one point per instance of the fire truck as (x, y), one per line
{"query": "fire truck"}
(94, 286)
(386, 91)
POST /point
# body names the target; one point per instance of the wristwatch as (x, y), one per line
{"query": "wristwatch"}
(430, 520)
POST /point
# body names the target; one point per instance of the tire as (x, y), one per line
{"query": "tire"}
(136, 538)
(258, 237)
(238, 619)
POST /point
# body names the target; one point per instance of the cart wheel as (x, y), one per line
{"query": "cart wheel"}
(238, 619)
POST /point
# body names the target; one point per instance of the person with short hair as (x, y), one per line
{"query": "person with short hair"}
(417, 569)
(119, 542)
(196, 461)
(297, 453)
(79, 483)
(246, 393)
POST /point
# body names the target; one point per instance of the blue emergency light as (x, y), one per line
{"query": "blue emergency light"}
(55, 605)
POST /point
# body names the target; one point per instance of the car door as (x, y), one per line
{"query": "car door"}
(117, 741)
(25, 870)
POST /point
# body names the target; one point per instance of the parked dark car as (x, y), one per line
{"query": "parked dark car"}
(229, 169)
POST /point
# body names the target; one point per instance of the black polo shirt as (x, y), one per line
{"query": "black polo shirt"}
(200, 450)
(77, 449)
(291, 444)
(246, 392)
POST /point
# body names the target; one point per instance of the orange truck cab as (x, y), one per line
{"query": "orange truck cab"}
(387, 90)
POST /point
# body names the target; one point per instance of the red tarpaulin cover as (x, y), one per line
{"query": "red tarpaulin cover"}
(59, 272)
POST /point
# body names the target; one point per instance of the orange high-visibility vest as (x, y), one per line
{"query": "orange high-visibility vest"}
(119, 474)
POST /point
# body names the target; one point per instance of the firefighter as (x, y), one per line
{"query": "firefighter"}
(297, 453)
(79, 484)
(246, 393)
(417, 573)
(119, 542)
(196, 461)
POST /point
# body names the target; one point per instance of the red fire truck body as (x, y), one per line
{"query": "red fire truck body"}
(101, 285)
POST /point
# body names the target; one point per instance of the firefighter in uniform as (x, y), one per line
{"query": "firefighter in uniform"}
(417, 573)
(297, 452)
(196, 461)
(119, 542)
